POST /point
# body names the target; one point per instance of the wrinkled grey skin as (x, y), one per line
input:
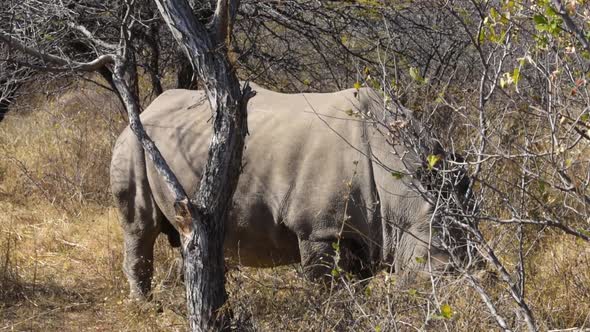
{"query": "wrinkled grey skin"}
(308, 167)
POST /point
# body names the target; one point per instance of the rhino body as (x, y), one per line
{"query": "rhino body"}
(312, 176)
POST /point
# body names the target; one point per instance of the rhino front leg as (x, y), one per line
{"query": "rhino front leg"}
(317, 259)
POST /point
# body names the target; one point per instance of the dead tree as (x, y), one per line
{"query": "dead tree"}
(200, 218)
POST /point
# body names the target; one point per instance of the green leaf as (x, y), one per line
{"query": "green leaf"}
(397, 175)
(540, 19)
(420, 260)
(516, 75)
(378, 328)
(375, 84)
(554, 27)
(509, 5)
(357, 85)
(542, 186)
(335, 273)
(482, 36)
(432, 161)
(368, 291)
(551, 12)
(446, 311)
(585, 117)
(502, 36)
(492, 36)
(412, 292)
(494, 13)
(336, 246)
(415, 75)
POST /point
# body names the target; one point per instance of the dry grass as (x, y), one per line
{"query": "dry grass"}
(63, 273)
(60, 152)
(60, 243)
(60, 253)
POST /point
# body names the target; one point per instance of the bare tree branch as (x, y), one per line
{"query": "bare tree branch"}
(94, 65)
(91, 36)
(488, 301)
(571, 25)
(223, 19)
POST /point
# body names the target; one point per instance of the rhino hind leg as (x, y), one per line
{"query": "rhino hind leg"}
(138, 263)
(142, 222)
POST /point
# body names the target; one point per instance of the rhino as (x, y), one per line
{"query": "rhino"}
(316, 179)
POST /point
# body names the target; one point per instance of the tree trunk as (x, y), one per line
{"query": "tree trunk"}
(201, 219)
(151, 40)
(202, 222)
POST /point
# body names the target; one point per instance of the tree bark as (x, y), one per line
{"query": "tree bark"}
(201, 219)
(204, 218)
(151, 40)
